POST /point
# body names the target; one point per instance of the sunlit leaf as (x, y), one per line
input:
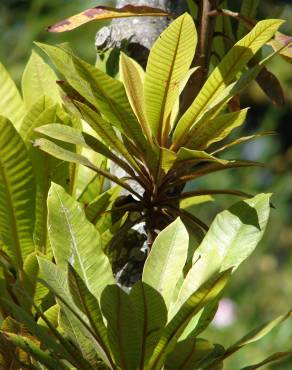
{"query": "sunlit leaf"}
(101, 13)
(169, 61)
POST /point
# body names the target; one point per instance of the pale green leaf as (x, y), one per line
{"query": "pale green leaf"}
(17, 195)
(198, 300)
(166, 260)
(232, 237)
(11, 104)
(39, 79)
(168, 63)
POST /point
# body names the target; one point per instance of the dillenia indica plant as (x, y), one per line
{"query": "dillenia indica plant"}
(159, 324)
(139, 123)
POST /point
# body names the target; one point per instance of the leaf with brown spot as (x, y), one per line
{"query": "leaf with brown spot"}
(101, 13)
(281, 40)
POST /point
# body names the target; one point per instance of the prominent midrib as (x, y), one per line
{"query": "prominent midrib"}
(215, 91)
(166, 90)
(12, 216)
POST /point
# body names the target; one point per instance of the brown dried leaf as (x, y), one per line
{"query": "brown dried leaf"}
(281, 40)
(101, 13)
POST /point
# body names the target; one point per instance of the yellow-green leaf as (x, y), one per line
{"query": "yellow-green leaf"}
(225, 72)
(169, 61)
(101, 13)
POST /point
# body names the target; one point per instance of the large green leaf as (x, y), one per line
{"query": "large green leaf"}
(105, 93)
(39, 79)
(232, 237)
(152, 315)
(166, 260)
(188, 353)
(198, 300)
(75, 240)
(17, 195)
(225, 72)
(124, 330)
(11, 104)
(169, 61)
(46, 167)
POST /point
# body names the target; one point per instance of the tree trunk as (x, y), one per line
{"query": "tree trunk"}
(141, 32)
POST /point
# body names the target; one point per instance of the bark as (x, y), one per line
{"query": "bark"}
(141, 32)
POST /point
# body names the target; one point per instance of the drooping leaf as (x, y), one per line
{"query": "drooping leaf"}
(198, 300)
(232, 237)
(226, 71)
(133, 76)
(271, 86)
(17, 195)
(61, 153)
(39, 80)
(166, 260)
(75, 240)
(152, 314)
(124, 330)
(169, 61)
(11, 104)
(101, 13)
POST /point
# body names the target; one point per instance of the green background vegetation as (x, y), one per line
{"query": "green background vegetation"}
(262, 287)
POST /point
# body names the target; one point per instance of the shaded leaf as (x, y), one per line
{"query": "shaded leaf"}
(17, 194)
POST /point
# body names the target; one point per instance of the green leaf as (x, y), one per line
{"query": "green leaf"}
(248, 9)
(168, 63)
(198, 300)
(188, 353)
(31, 271)
(89, 305)
(206, 133)
(105, 131)
(188, 156)
(52, 314)
(61, 153)
(105, 93)
(152, 315)
(133, 75)
(166, 259)
(257, 334)
(46, 167)
(27, 345)
(101, 13)
(75, 240)
(124, 330)
(11, 104)
(225, 73)
(39, 79)
(273, 358)
(232, 237)
(17, 194)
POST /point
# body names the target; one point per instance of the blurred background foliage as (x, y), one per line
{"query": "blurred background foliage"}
(262, 288)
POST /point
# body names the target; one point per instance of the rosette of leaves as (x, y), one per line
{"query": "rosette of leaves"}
(160, 323)
(141, 128)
